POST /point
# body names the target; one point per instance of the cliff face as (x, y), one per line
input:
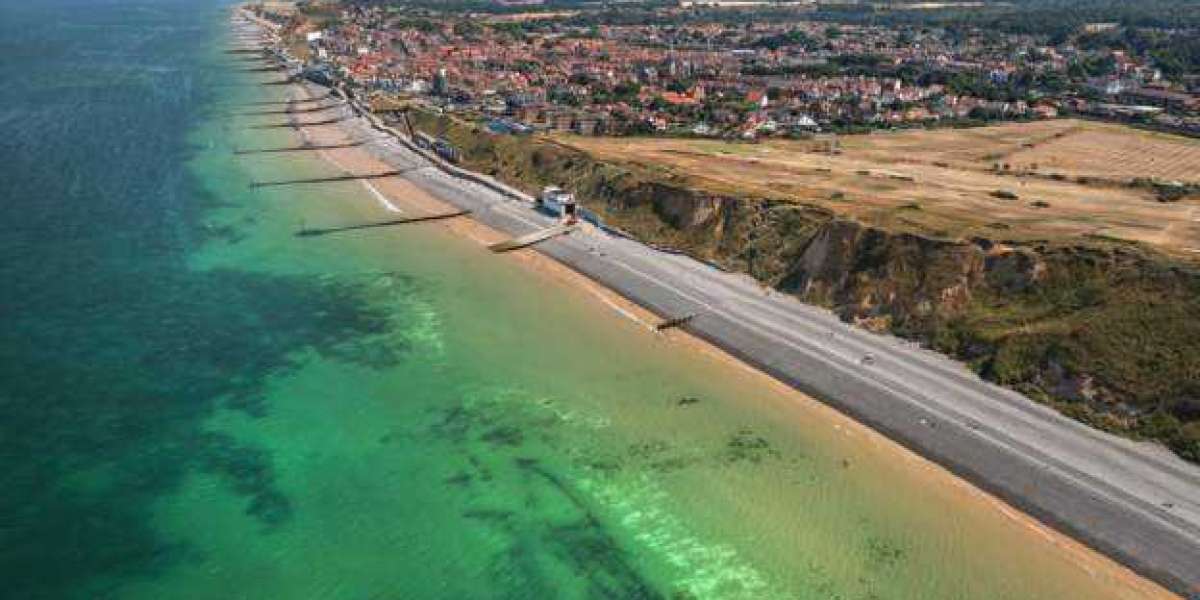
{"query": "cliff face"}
(1104, 332)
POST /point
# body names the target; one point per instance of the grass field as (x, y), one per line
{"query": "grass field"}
(1018, 181)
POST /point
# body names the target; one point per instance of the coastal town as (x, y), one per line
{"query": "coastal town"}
(729, 72)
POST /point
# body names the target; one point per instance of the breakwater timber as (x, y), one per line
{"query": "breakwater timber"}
(289, 102)
(329, 179)
(300, 148)
(290, 111)
(298, 124)
(320, 231)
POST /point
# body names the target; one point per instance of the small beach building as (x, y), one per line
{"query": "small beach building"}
(557, 202)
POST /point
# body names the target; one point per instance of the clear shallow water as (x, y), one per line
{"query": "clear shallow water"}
(194, 403)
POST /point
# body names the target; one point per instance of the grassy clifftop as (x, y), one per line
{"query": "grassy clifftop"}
(1104, 331)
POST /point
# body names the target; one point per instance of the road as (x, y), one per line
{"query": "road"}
(1134, 502)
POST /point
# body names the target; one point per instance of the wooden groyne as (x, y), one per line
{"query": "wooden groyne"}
(244, 51)
(298, 148)
(306, 232)
(289, 111)
(287, 81)
(530, 239)
(316, 123)
(268, 69)
(298, 125)
(333, 178)
(675, 322)
(288, 102)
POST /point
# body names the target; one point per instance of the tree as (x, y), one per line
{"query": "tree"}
(467, 29)
(626, 90)
(678, 86)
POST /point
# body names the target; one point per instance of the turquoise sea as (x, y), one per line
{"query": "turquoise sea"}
(196, 403)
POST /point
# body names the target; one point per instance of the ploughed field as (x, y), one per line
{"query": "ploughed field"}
(1019, 181)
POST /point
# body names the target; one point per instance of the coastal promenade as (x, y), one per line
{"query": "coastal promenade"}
(1134, 502)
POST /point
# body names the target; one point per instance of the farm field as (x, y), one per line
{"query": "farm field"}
(1111, 151)
(1017, 181)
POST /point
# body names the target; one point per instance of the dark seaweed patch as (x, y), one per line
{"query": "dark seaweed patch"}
(460, 479)
(660, 457)
(539, 546)
(647, 450)
(249, 472)
(746, 446)
(114, 352)
(391, 437)
(883, 553)
(652, 455)
(455, 424)
(505, 435)
(586, 545)
(482, 471)
(592, 552)
(489, 514)
(520, 567)
(223, 233)
(107, 384)
(672, 464)
(251, 402)
(601, 465)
